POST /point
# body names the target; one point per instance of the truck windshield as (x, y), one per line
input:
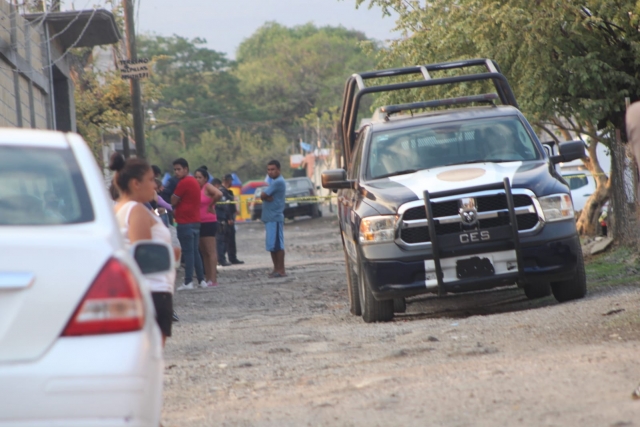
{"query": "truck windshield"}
(401, 151)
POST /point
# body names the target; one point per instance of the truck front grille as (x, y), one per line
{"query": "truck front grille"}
(449, 208)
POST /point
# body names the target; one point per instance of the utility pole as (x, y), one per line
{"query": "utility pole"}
(136, 93)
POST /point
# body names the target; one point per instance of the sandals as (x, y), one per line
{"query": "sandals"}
(275, 275)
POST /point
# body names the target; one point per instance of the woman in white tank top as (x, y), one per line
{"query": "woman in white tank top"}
(159, 233)
(136, 185)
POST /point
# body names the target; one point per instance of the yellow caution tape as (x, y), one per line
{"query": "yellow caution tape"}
(288, 199)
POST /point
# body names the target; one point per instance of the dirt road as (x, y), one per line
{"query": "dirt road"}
(286, 352)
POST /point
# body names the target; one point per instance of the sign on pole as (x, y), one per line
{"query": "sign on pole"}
(137, 69)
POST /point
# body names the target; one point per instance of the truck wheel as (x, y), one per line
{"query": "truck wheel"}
(399, 305)
(372, 309)
(575, 288)
(315, 211)
(352, 287)
(537, 290)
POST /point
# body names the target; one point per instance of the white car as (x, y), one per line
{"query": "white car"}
(582, 185)
(79, 344)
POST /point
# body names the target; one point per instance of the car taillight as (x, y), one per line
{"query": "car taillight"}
(112, 304)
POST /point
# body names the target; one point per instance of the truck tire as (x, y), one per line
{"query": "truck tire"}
(372, 309)
(399, 305)
(315, 211)
(575, 288)
(352, 287)
(537, 290)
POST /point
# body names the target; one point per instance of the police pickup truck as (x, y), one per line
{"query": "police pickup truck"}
(451, 195)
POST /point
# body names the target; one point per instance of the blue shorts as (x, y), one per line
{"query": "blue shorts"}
(275, 236)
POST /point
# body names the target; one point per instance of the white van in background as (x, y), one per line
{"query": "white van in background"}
(581, 181)
(582, 185)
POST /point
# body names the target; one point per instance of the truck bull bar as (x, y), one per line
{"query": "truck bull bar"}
(512, 236)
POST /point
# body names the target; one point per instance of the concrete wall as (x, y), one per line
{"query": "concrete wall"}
(24, 81)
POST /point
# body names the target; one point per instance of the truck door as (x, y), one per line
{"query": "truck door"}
(350, 196)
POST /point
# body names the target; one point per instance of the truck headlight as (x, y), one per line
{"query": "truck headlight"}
(556, 207)
(377, 229)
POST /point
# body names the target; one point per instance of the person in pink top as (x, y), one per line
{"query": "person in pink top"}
(209, 195)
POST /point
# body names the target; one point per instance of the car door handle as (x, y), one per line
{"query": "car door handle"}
(16, 280)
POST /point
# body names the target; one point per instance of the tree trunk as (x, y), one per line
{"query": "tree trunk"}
(588, 221)
(623, 221)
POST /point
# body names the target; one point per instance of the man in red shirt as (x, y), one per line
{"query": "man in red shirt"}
(186, 211)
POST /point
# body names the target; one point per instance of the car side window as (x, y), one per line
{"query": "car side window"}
(576, 181)
(356, 162)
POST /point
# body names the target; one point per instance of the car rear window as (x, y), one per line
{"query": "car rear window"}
(41, 186)
(297, 184)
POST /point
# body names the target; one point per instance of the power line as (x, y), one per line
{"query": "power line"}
(59, 33)
(75, 42)
(37, 23)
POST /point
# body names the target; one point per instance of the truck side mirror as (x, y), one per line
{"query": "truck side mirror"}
(336, 178)
(153, 257)
(570, 150)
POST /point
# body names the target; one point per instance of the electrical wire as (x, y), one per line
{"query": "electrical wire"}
(59, 33)
(74, 43)
(36, 24)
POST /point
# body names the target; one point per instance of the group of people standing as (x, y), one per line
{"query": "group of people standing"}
(205, 229)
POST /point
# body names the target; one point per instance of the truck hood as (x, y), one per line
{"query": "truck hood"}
(386, 195)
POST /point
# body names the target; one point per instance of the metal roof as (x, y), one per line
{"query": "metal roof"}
(80, 28)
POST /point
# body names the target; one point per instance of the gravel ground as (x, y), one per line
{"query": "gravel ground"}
(286, 352)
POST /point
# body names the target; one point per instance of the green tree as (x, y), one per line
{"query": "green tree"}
(102, 99)
(197, 90)
(287, 84)
(288, 72)
(571, 66)
(239, 151)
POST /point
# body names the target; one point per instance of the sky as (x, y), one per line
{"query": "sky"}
(226, 23)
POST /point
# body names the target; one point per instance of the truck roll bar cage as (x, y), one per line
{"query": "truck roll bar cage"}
(355, 89)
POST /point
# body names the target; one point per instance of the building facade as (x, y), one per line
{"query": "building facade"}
(36, 89)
